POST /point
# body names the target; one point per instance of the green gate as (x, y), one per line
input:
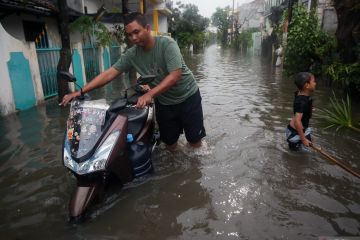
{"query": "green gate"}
(115, 53)
(48, 54)
(91, 61)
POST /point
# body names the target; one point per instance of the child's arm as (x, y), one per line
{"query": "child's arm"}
(300, 129)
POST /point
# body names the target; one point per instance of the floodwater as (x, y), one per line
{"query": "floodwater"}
(243, 184)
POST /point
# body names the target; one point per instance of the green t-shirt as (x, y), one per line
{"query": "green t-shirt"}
(162, 59)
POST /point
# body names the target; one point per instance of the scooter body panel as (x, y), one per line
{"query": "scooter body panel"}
(118, 162)
(82, 196)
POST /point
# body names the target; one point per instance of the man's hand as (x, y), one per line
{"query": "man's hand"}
(68, 97)
(306, 142)
(144, 100)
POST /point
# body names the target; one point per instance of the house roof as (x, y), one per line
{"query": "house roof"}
(47, 8)
(40, 7)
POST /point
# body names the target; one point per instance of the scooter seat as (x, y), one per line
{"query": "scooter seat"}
(136, 119)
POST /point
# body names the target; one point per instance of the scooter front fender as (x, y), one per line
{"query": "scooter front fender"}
(82, 197)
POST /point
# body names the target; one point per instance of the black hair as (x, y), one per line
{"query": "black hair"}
(135, 16)
(301, 79)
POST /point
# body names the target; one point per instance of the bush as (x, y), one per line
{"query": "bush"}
(346, 75)
(304, 38)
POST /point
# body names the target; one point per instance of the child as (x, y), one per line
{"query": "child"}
(298, 130)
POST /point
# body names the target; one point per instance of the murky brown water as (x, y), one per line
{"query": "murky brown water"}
(245, 185)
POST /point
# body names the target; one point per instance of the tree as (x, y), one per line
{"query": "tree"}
(222, 20)
(348, 14)
(188, 26)
(65, 53)
(175, 18)
(95, 31)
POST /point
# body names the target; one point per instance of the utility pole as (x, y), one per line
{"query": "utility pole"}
(65, 53)
(290, 8)
(232, 22)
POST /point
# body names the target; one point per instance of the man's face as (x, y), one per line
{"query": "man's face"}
(138, 34)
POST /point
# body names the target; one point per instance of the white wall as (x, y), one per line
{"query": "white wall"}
(13, 25)
(163, 25)
(77, 5)
(92, 5)
(11, 44)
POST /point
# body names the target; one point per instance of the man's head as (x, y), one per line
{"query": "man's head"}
(137, 29)
(135, 16)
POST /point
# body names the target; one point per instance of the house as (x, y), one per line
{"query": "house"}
(324, 8)
(251, 14)
(156, 12)
(31, 46)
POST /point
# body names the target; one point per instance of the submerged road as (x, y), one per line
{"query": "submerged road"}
(244, 184)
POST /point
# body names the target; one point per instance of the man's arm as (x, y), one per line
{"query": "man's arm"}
(300, 129)
(99, 81)
(169, 81)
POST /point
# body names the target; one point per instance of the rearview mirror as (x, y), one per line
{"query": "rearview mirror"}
(146, 79)
(67, 76)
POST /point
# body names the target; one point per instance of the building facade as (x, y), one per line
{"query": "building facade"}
(31, 46)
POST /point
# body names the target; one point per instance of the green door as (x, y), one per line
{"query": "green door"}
(21, 81)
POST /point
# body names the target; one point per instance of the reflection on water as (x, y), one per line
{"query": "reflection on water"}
(244, 184)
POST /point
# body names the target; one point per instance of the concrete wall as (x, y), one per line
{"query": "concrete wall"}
(92, 5)
(250, 14)
(163, 24)
(327, 15)
(13, 25)
(11, 44)
(77, 5)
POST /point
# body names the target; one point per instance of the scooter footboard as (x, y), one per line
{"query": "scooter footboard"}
(83, 195)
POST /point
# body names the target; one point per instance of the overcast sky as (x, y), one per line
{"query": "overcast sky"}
(208, 7)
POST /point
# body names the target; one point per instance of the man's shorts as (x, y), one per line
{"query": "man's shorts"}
(186, 116)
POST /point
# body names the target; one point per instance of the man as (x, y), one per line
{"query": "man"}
(177, 96)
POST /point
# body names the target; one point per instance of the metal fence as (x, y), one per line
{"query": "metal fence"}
(91, 61)
(48, 54)
(115, 53)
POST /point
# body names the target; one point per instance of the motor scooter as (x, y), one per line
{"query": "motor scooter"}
(103, 141)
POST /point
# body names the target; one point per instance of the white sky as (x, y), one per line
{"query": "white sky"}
(208, 7)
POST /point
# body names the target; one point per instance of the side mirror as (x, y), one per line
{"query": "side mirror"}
(145, 79)
(67, 76)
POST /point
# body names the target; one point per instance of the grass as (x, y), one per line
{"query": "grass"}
(338, 114)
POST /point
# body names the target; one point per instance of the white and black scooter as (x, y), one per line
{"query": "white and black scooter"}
(104, 140)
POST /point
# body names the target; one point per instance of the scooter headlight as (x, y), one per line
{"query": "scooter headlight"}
(97, 162)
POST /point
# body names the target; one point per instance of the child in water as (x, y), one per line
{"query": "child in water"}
(298, 131)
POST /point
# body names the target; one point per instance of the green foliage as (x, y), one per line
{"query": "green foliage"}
(222, 20)
(184, 40)
(304, 38)
(188, 26)
(338, 114)
(198, 40)
(346, 75)
(118, 34)
(243, 40)
(92, 30)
